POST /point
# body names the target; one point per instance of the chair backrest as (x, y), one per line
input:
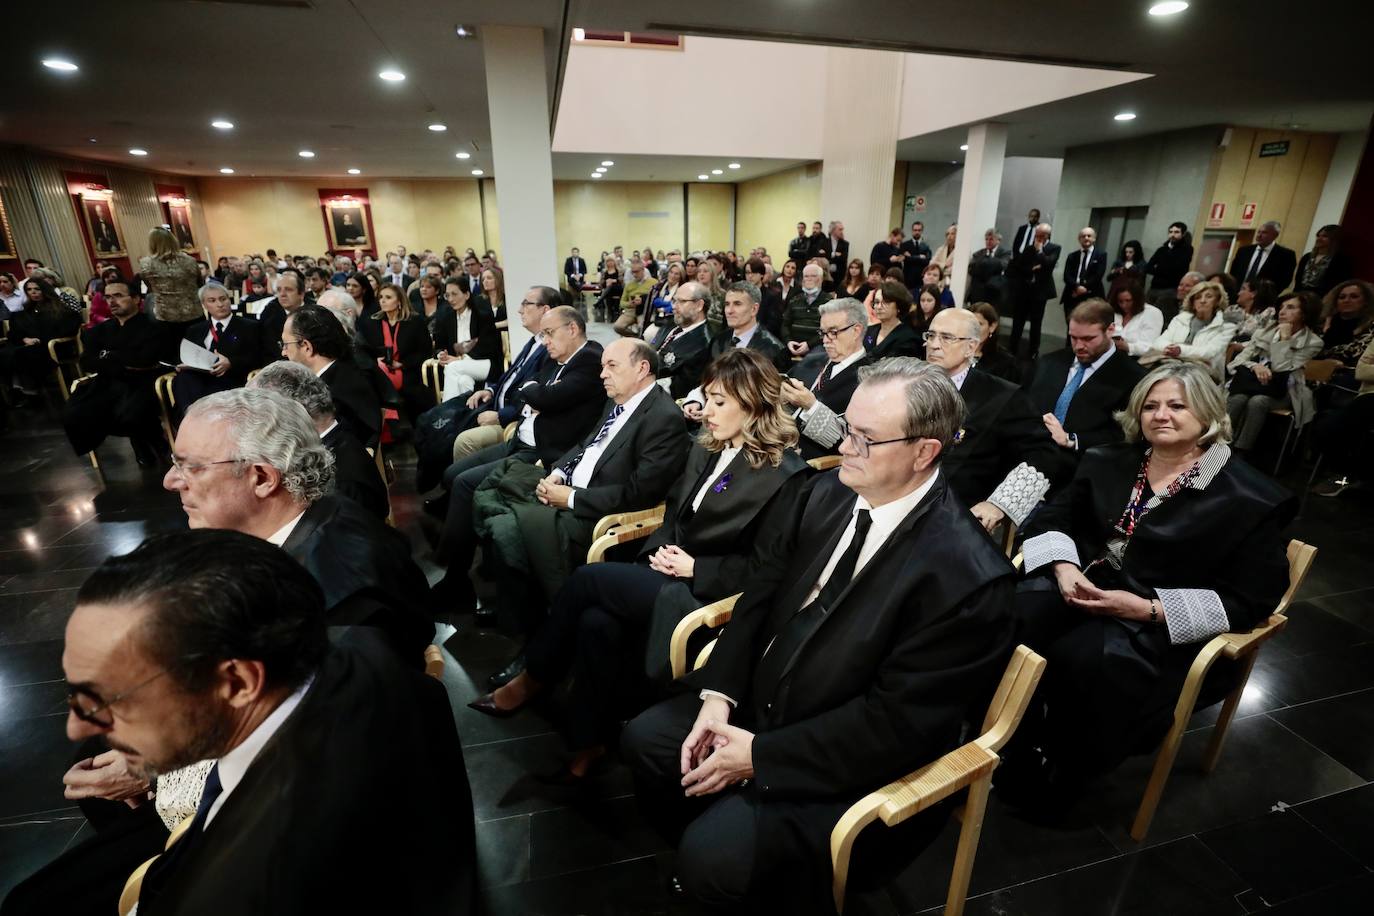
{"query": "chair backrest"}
(1011, 699)
(1300, 557)
(825, 462)
(1320, 370)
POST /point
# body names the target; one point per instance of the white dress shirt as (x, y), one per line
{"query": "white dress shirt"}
(284, 532)
(835, 370)
(210, 334)
(722, 462)
(464, 333)
(1093, 367)
(582, 474)
(234, 765)
(525, 431)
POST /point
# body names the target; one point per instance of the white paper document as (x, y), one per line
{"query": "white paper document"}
(196, 356)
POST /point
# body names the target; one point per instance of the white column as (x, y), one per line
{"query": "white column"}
(518, 105)
(987, 148)
(863, 90)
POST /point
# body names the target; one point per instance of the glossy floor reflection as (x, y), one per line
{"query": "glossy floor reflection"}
(1284, 825)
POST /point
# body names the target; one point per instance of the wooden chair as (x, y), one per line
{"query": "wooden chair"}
(509, 432)
(969, 766)
(825, 462)
(712, 615)
(71, 359)
(621, 528)
(166, 400)
(432, 373)
(1241, 648)
(1318, 372)
(434, 662)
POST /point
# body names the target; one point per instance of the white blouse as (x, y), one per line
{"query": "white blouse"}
(1141, 331)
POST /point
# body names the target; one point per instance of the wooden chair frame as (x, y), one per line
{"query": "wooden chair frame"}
(967, 767)
(825, 462)
(432, 374)
(63, 385)
(621, 528)
(166, 400)
(66, 394)
(1317, 372)
(434, 662)
(1242, 648)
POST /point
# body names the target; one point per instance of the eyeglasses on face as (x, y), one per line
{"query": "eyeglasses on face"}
(88, 706)
(835, 332)
(862, 444)
(185, 469)
(944, 338)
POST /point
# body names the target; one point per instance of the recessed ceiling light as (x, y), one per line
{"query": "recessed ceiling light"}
(438, 128)
(1168, 8)
(704, 177)
(600, 168)
(226, 171)
(392, 76)
(477, 172)
(355, 171)
(463, 155)
(1125, 116)
(306, 154)
(222, 125)
(963, 148)
(579, 34)
(60, 65)
(717, 172)
(733, 165)
(596, 174)
(137, 151)
(465, 31)
(607, 162)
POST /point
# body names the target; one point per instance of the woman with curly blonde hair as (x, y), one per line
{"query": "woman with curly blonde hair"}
(743, 484)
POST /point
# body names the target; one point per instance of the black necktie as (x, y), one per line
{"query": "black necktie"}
(214, 338)
(1254, 265)
(797, 628)
(821, 379)
(734, 342)
(162, 866)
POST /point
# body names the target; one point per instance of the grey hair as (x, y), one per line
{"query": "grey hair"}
(1272, 224)
(849, 307)
(934, 408)
(694, 290)
(1204, 396)
(210, 286)
(975, 327)
(749, 289)
(1197, 275)
(815, 267)
(266, 428)
(341, 305)
(992, 231)
(1046, 226)
(298, 383)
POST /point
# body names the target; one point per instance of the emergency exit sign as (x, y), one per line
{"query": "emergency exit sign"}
(1276, 148)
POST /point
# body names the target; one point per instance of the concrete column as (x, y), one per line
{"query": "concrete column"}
(987, 148)
(863, 90)
(518, 103)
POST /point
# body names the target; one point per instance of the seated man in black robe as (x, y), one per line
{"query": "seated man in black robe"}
(121, 355)
(211, 646)
(355, 471)
(251, 461)
(236, 341)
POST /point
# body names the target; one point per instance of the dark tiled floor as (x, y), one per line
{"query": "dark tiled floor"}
(1284, 824)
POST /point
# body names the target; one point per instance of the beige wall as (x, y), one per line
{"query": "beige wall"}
(596, 216)
(252, 214)
(710, 217)
(768, 208)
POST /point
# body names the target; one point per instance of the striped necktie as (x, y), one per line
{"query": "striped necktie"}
(601, 434)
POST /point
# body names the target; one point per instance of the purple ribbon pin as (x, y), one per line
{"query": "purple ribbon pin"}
(721, 485)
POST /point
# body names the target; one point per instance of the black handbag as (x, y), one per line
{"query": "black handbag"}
(1244, 381)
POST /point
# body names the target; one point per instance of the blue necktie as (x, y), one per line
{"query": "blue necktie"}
(162, 866)
(605, 429)
(1061, 406)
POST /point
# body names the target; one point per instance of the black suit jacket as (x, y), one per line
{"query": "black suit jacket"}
(737, 529)
(882, 683)
(368, 576)
(355, 400)
(355, 472)
(1278, 268)
(568, 401)
(241, 344)
(762, 341)
(271, 322)
(412, 342)
(918, 257)
(517, 373)
(903, 341)
(308, 830)
(1001, 429)
(1091, 280)
(1019, 239)
(684, 358)
(1106, 391)
(639, 465)
(1031, 273)
(985, 275)
(574, 266)
(834, 394)
(1168, 265)
(838, 254)
(771, 309)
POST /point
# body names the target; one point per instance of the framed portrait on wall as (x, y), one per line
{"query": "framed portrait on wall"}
(7, 248)
(179, 218)
(347, 225)
(105, 235)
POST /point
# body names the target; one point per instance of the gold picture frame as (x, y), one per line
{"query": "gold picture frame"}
(107, 239)
(8, 250)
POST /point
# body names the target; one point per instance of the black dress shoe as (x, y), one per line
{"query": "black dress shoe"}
(486, 704)
(508, 673)
(437, 506)
(675, 888)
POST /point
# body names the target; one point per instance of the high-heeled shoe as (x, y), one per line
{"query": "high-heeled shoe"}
(486, 705)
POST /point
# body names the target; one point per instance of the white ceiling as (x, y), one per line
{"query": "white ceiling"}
(296, 74)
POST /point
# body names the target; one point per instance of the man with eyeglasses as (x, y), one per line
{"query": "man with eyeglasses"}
(273, 312)
(203, 659)
(314, 337)
(819, 391)
(801, 318)
(120, 356)
(1002, 461)
(558, 407)
(847, 664)
(684, 347)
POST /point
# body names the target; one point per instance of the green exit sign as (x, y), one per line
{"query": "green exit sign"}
(1276, 148)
